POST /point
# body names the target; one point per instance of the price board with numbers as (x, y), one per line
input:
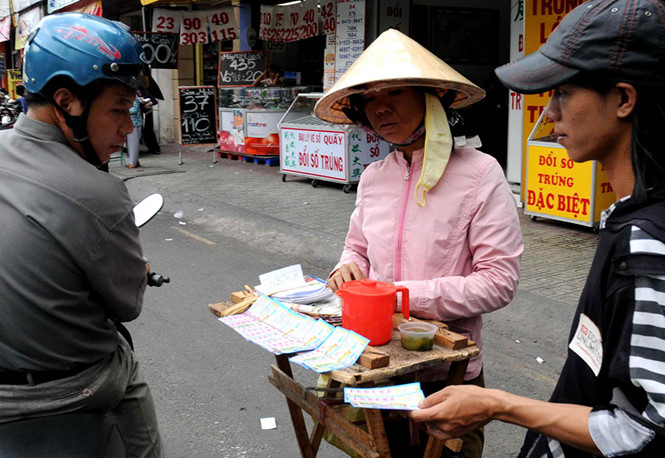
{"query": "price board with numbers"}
(198, 115)
(160, 48)
(240, 68)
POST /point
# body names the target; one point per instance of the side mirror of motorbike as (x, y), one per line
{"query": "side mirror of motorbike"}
(145, 210)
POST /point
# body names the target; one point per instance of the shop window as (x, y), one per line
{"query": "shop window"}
(465, 35)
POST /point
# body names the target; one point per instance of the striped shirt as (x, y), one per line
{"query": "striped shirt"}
(615, 432)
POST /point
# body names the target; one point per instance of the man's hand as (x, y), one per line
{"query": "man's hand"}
(460, 409)
(454, 411)
(346, 272)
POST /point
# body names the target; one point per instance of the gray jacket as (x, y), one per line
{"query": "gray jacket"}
(70, 254)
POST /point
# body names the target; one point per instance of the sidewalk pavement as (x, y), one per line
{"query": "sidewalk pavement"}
(252, 203)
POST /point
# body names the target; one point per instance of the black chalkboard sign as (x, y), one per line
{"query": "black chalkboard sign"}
(240, 68)
(198, 115)
(160, 48)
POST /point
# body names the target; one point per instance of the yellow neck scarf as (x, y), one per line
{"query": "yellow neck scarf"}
(438, 146)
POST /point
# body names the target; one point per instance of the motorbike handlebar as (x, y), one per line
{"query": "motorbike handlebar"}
(155, 279)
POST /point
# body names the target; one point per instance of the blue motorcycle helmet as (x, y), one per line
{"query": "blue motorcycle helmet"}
(86, 49)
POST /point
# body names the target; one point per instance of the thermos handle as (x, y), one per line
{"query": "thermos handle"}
(405, 300)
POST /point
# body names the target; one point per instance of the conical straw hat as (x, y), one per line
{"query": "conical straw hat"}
(393, 60)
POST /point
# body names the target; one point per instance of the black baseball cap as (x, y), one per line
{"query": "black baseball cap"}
(621, 39)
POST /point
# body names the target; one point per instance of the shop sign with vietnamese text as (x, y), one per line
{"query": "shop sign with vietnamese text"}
(317, 153)
(394, 14)
(323, 153)
(558, 186)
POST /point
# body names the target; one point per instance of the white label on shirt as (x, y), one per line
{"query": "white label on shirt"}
(588, 343)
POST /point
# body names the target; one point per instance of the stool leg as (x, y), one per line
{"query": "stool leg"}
(434, 448)
(377, 430)
(319, 428)
(297, 419)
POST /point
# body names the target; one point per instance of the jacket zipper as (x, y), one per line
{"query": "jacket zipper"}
(400, 226)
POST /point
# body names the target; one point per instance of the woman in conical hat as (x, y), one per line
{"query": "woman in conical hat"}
(436, 215)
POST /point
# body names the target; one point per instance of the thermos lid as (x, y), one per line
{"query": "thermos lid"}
(368, 287)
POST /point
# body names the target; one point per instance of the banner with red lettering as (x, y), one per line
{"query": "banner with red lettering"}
(223, 25)
(193, 28)
(197, 27)
(328, 16)
(289, 23)
(165, 20)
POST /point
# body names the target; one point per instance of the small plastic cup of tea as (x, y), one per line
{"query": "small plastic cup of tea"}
(417, 336)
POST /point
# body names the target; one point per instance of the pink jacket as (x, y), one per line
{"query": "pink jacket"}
(459, 255)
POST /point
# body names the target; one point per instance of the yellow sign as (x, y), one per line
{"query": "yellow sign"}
(557, 186)
(13, 78)
(605, 195)
(540, 18)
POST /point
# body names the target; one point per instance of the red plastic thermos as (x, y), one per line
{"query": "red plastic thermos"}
(368, 307)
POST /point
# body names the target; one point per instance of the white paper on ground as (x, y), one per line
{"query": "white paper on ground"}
(268, 423)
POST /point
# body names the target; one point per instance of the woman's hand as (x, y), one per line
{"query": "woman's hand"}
(346, 272)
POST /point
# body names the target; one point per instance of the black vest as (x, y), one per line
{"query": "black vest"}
(608, 299)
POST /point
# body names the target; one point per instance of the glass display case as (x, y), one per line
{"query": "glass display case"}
(249, 117)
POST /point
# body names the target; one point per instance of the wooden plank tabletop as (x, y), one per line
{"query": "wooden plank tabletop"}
(402, 361)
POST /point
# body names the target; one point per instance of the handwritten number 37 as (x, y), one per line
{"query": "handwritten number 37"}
(192, 105)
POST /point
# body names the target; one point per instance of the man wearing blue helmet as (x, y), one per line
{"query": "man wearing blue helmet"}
(73, 267)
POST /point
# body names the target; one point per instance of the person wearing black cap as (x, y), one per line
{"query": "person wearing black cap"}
(606, 65)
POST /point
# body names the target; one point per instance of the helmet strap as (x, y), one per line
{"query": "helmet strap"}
(79, 126)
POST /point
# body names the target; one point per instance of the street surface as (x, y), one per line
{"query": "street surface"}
(223, 225)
